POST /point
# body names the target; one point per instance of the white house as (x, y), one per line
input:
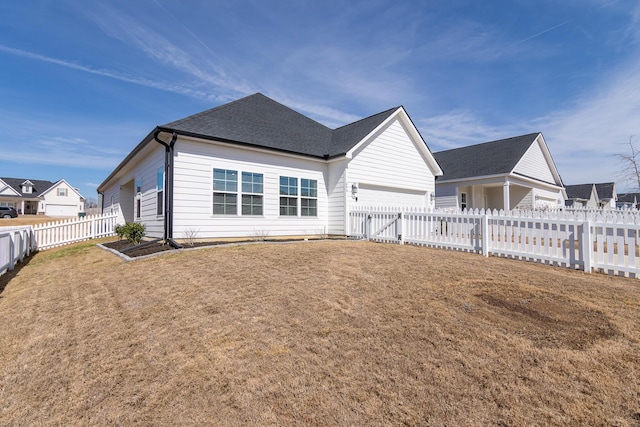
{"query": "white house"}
(592, 196)
(256, 167)
(512, 173)
(34, 196)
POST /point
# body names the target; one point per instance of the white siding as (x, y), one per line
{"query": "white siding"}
(336, 193)
(391, 161)
(534, 165)
(69, 205)
(446, 196)
(121, 189)
(193, 192)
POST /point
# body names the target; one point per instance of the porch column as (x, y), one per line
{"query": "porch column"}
(22, 207)
(505, 196)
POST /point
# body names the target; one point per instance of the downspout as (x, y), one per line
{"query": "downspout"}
(168, 178)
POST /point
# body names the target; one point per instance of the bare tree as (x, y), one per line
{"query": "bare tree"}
(630, 171)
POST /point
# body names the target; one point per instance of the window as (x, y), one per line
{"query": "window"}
(160, 191)
(138, 197)
(225, 192)
(463, 201)
(27, 189)
(251, 193)
(308, 197)
(288, 196)
(62, 192)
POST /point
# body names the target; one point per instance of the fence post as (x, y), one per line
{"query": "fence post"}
(12, 250)
(485, 235)
(587, 246)
(400, 227)
(367, 225)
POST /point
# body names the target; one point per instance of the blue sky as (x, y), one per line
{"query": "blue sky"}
(82, 82)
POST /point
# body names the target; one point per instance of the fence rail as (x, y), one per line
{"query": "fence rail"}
(73, 230)
(600, 241)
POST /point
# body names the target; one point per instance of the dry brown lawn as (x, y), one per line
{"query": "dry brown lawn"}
(315, 333)
(27, 220)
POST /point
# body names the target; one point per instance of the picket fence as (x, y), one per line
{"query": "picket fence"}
(73, 230)
(16, 243)
(605, 241)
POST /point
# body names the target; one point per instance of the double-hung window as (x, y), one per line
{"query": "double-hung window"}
(225, 192)
(463, 201)
(308, 197)
(160, 191)
(62, 192)
(138, 197)
(252, 189)
(288, 196)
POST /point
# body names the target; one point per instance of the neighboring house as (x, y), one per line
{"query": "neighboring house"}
(592, 196)
(33, 196)
(512, 173)
(254, 167)
(628, 200)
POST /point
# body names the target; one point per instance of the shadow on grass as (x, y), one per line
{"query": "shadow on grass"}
(10, 274)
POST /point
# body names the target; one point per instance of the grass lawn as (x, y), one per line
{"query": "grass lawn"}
(315, 333)
(27, 220)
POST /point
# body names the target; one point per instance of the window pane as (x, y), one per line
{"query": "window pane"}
(251, 204)
(160, 179)
(288, 206)
(224, 204)
(225, 180)
(308, 187)
(288, 186)
(309, 207)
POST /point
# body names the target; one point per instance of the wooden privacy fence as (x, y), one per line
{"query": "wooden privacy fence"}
(16, 243)
(73, 230)
(601, 241)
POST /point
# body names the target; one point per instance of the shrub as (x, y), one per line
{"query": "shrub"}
(132, 231)
(120, 229)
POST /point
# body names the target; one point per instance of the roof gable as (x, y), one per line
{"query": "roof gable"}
(606, 190)
(57, 184)
(490, 158)
(580, 191)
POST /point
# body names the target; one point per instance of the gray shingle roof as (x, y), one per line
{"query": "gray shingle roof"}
(490, 158)
(605, 190)
(39, 186)
(628, 197)
(260, 121)
(579, 191)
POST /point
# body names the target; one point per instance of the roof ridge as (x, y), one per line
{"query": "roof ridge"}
(491, 142)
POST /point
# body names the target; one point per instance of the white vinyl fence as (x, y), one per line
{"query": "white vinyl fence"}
(601, 241)
(16, 243)
(73, 230)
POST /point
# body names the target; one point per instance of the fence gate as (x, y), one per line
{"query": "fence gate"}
(384, 227)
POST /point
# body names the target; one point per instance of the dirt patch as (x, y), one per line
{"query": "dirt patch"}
(549, 322)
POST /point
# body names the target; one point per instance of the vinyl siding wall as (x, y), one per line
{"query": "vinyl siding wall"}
(337, 192)
(390, 163)
(193, 192)
(534, 165)
(123, 192)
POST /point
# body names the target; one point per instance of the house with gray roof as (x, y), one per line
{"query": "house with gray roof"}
(592, 196)
(255, 167)
(511, 173)
(35, 196)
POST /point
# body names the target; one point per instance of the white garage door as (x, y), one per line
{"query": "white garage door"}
(371, 196)
(61, 210)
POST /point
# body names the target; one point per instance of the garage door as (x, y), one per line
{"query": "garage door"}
(390, 197)
(61, 210)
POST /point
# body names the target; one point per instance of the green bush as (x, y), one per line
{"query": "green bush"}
(132, 231)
